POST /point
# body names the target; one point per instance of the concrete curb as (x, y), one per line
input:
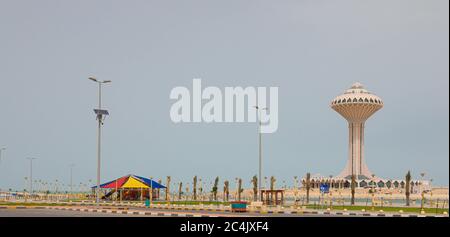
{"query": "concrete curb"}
(363, 214)
(140, 213)
(22, 207)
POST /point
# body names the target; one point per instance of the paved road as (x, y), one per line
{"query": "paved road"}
(69, 213)
(222, 213)
(52, 213)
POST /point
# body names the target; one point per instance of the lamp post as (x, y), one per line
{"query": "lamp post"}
(151, 191)
(237, 188)
(295, 191)
(31, 173)
(100, 116)
(1, 149)
(329, 191)
(422, 182)
(265, 183)
(431, 188)
(373, 192)
(25, 187)
(260, 149)
(71, 168)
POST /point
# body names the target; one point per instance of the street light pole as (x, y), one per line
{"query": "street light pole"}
(71, 168)
(1, 149)
(422, 181)
(151, 191)
(31, 173)
(100, 114)
(260, 151)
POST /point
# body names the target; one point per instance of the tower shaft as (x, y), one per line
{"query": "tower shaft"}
(355, 162)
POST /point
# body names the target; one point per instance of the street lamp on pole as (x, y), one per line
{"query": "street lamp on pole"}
(100, 117)
(31, 173)
(422, 182)
(71, 168)
(151, 191)
(1, 149)
(260, 149)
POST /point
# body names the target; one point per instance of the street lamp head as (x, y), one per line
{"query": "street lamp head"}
(106, 81)
(93, 78)
(257, 107)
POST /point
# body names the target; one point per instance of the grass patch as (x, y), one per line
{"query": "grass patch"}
(193, 202)
(31, 204)
(385, 209)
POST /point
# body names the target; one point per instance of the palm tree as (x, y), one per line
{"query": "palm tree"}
(272, 182)
(239, 188)
(407, 189)
(158, 190)
(255, 188)
(226, 190)
(353, 186)
(272, 186)
(200, 189)
(194, 190)
(308, 186)
(214, 189)
(167, 188)
(295, 189)
(180, 188)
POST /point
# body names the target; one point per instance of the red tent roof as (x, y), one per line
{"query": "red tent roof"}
(116, 183)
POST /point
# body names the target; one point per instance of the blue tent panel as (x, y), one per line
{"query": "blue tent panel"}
(150, 182)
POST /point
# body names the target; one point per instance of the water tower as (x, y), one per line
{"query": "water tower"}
(356, 105)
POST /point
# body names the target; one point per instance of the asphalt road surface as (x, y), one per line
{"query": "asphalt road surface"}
(53, 213)
(71, 213)
(234, 214)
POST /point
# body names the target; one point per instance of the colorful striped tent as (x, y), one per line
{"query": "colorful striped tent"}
(130, 187)
(131, 182)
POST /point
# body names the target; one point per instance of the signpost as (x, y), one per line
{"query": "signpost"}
(324, 188)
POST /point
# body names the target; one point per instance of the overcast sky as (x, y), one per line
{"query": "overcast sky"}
(312, 50)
